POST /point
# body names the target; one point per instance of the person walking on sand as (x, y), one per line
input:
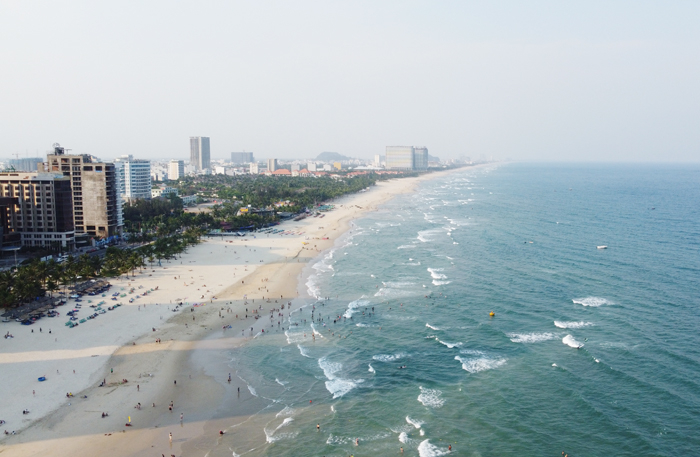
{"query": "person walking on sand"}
(170, 436)
(182, 415)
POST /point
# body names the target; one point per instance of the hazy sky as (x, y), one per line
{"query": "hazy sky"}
(558, 80)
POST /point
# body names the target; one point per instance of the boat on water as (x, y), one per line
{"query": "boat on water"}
(602, 247)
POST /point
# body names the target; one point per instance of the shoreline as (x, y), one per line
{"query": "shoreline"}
(203, 384)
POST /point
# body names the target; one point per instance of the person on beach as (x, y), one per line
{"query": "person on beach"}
(170, 436)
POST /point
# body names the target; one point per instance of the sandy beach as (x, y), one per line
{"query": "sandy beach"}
(160, 348)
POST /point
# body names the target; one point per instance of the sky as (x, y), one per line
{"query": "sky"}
(532, 81)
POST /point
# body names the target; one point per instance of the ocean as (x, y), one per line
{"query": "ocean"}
(590, 351)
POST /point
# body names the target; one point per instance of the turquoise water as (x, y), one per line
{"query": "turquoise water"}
(591, 351)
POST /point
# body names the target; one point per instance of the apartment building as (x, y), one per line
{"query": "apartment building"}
(94, 185)
(36, 209)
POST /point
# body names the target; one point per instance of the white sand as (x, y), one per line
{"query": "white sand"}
(58, 426)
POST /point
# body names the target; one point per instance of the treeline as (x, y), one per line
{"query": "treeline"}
(146, 220)
(261, 191)
(27, 282)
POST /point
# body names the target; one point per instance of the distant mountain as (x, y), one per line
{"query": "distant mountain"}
(332, 157)
(433, 158)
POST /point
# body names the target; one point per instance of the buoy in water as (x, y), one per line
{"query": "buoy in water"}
(492, 314)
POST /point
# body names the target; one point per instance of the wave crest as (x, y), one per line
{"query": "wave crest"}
(592, 301)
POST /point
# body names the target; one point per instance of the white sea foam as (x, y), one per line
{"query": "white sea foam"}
(354, 306)
(371, 368)
(407, 246)
(303, 351)
(403, 438)
(329, 368)
(530, 337)
(365, 325)
(313, 329)
(415, 423)
(425, 449)
(390, 292)
(339, 387)
(432, 327)
(450, 345)
(592, 301)
(281, 383)
(580, 324)
(570, 341)
(475, 365)
(333, 439)
(440, 283)
(389, 357)
(426, 236)
(398, 284)
(294, 337)
(335, 385)
(252, 390)
(286, 411)
(312, 288)
(431, 397)
(435, 273)
(272, 435)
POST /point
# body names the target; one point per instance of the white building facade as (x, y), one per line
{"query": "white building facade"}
(134, 178)
(176, 169)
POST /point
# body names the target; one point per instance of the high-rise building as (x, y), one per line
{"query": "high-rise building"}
(271, 164)
(134, 178)
(399, 158)
(94, 185)
(420, 158)
(242, 157)
(176, 170)
(406, 158)
(36, 209)
(311, 166)
(199, 152)
(254, 168)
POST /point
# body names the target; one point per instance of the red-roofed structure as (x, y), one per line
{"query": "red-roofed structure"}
(282, 172)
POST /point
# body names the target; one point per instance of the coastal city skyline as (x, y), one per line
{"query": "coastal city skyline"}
(425, 229)
(541, 81)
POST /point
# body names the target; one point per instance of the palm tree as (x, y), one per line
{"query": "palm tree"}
(7, 293)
